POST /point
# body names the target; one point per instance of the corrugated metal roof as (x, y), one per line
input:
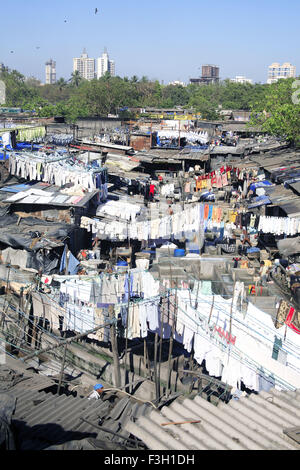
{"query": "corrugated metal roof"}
(255, 422)
(43, 419)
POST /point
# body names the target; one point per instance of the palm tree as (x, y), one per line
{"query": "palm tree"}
(75, 78)
(61, 83)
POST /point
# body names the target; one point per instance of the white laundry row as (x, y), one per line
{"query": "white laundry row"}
(172, 225)
(120, 209)
(55, 172)
(279, 225)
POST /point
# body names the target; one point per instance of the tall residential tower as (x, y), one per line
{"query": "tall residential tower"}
(50, 70)
(85, 66)
(105, 65)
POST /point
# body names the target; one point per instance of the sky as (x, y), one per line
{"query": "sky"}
(164, 40)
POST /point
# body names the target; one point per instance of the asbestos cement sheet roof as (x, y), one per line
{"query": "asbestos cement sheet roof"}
(296, 187)
(16, 379)
(255, 422)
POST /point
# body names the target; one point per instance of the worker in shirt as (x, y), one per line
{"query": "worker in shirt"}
(263, 272)
(96, 393)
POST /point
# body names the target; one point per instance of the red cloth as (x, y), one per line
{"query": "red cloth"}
(289, 319)
(151, 190)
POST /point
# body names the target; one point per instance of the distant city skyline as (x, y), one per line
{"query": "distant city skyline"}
(168, 42)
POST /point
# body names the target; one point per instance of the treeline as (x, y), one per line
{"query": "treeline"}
(275, 107)
(78, 97)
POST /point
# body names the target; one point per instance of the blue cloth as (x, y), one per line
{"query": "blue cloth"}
(126, 286)
(63, 260)
(73, 264)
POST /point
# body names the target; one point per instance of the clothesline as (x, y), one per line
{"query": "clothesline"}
(59, 172)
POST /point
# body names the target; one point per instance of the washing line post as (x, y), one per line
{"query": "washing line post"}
(211, 309)
(63, 342)
(155, 367)
(5, 307)
(196, 303)
(114, 347)
(160, 346)
(127, 322)
(62, 369)
(146, 360)
(231, 306)
(191, 366)
(171, 345)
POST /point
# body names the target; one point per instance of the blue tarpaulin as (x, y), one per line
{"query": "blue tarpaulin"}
(253, 249)
(260, 184)
(16, 188)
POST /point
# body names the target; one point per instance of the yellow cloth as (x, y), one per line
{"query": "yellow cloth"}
(214, 216)
(232, 216)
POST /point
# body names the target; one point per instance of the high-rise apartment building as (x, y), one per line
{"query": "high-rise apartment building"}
(85, 66)
(104, 64)
(210, 74)
(277, 71)
(50, 71)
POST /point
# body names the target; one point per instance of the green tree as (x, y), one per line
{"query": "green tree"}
(76, 79)
(279, 112)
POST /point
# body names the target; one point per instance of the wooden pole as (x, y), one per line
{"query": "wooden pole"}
(230, 321)
(191, 363)
(63, 342)
(151, 135)
(62, 369)
(171, 345)
(114, 347)
(127, 322)
(160, 347)
(145, 357)
(211, 309)
(155, 367)
(181, 422)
